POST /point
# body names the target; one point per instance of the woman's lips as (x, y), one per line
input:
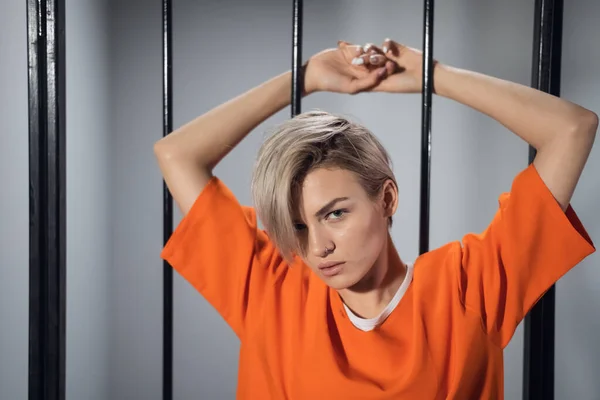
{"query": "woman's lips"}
(331, 268)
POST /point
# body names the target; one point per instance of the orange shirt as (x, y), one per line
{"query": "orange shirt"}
(445, 338)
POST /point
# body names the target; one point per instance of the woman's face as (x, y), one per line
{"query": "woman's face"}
(343, 232)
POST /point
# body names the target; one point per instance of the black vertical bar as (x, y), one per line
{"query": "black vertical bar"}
(427, 92)
(538, 359)
(297, 75)
(47, 203)
(167, 207)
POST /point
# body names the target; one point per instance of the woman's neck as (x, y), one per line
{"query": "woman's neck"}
(374, 292)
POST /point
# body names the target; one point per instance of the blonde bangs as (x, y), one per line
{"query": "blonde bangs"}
(310, 140)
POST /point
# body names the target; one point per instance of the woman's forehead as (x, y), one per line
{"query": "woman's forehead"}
(324, 180)
(324, 185)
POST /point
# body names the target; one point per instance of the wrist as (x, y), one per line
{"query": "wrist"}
(307, 87)
(309, 82)
(442, 79)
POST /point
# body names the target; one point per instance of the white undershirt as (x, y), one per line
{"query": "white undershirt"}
(368, 324)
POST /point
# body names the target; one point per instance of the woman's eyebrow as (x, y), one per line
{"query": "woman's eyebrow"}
(327, 207)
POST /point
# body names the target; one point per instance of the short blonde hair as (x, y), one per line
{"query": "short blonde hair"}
(308, 141)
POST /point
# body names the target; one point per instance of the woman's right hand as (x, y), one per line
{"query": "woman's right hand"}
(406, 74)
(332, 70)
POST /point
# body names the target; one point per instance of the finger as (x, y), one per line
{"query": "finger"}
(370, 59)
(368, 82)
(372, 49)
(351, 51)
(377, 60)
(390, 48)
(357, 50)
(367, 47)
(391, 67)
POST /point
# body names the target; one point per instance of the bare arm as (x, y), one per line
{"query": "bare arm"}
(188, 155)
(562, 132)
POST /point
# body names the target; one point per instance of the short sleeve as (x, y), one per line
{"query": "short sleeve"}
(219, 249)
(529, 245)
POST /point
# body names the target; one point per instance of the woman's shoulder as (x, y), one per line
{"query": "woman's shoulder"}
(438, 268)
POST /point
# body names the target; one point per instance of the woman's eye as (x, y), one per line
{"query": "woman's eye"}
(337, 214)
(299, 227)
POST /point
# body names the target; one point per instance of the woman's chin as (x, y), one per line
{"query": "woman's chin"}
(341, 281)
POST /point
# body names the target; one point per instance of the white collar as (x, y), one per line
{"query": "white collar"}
(368, 324)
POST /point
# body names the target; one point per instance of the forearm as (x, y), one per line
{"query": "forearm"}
(211, 136)
(537, 117)
(562, 132)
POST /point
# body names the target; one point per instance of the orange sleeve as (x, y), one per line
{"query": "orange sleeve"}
(219, 249)
(528, 246)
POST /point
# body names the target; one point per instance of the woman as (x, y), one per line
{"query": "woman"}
(324, 306)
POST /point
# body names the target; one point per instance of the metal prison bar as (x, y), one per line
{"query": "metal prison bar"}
(538, 357)
(297, 75)
(167, 53)
(47, 202)
(427, 91)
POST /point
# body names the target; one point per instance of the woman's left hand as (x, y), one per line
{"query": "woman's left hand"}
(332, 70)
(406, 74)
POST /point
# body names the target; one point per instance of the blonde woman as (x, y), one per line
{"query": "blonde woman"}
(322, 302)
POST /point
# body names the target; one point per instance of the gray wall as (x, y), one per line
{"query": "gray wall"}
(577, 357)
(136, 200)
(89, 217)
(222, 48)
(14, 207)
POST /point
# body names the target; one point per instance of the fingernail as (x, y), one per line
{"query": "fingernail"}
(385, 49)
(374, 59)
(358, 61)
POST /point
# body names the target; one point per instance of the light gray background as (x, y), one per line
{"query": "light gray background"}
(14, 210)
(89, 186)
(220, 49)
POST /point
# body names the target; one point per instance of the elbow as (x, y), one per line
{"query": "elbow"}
(160, 154)
(163, 151)
(171, 156)
(159, 149)
(592, 123)
(583, 131)
(586, 125)
(579, 128)
(165, 156)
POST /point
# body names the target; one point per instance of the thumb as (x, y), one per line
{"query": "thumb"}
(391, 49)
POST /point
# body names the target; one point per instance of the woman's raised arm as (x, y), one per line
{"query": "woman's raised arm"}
(562, 132)
(188, 155)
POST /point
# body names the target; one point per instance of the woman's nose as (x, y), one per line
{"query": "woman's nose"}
(321, 244)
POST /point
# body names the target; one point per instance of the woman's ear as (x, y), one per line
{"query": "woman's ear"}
(389, 198)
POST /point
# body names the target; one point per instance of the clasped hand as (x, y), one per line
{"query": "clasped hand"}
(350, 68)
